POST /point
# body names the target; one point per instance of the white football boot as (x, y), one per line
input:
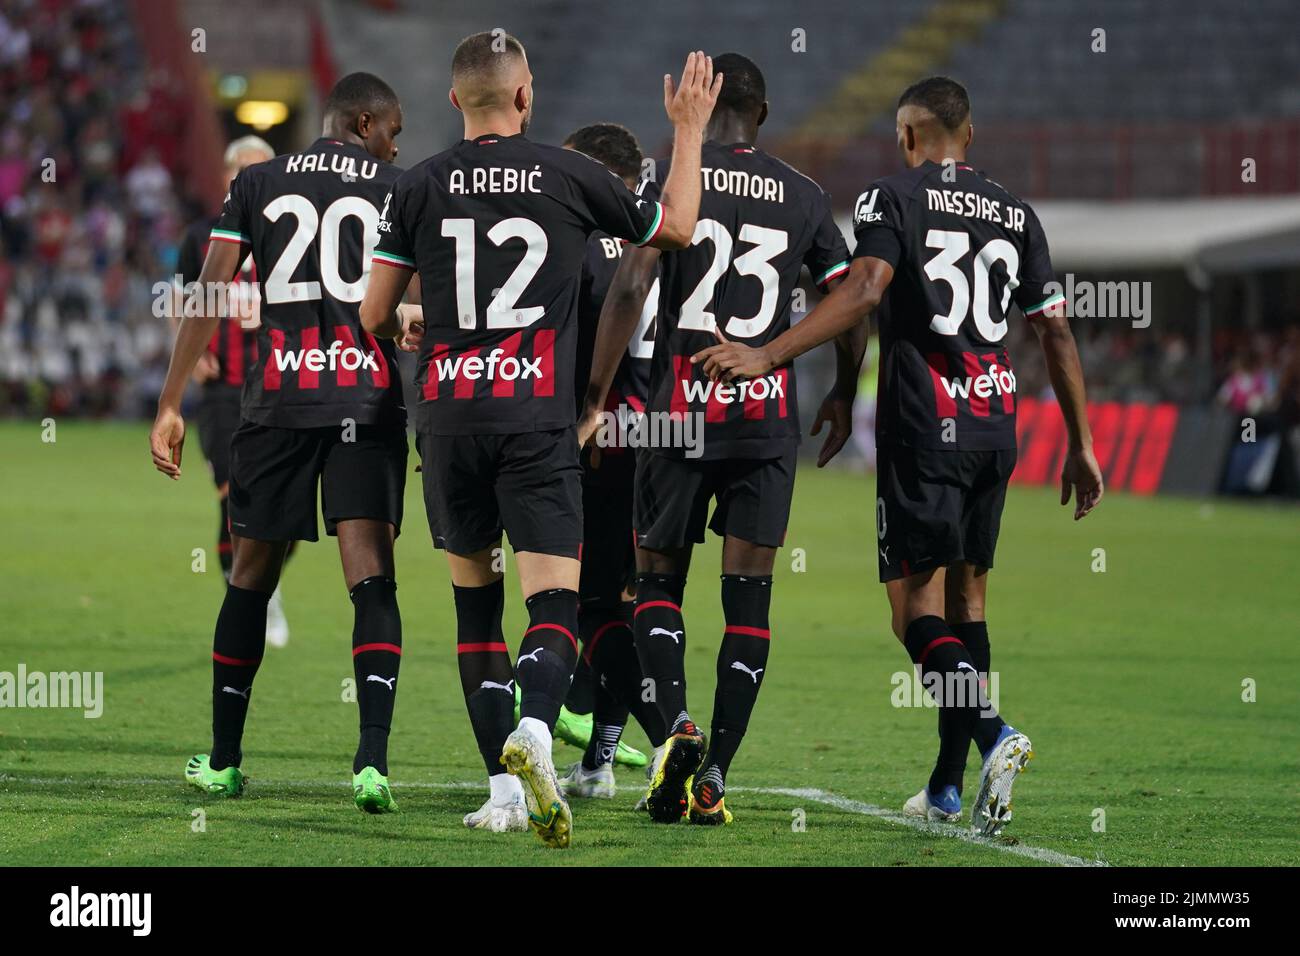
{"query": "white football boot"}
(945, 808)
(504, 810)
(1006, 761)
(655, 757)
(527, 755)
(277, 625)
(596, 784)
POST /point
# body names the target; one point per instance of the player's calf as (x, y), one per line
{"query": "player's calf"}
(237, 648)
(547, 655)
(660, 639)
(742, 662)
(487, 676)
(376, 659)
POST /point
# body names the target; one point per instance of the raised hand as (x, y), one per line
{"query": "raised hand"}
(690, 104)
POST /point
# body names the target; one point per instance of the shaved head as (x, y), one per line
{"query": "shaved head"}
(933, 121)
(487, 72)
(936, 106)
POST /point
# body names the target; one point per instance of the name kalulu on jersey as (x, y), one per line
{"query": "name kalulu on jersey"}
(331, 163)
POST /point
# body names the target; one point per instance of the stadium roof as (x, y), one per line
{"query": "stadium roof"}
(1221, 235)
(1218, 235)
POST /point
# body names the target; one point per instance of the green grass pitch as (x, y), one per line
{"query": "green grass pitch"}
(1129, 681)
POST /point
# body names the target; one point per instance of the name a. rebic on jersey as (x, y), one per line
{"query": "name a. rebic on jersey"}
(495, 179)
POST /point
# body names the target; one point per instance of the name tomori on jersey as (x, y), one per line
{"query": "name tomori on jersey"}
(746, 185)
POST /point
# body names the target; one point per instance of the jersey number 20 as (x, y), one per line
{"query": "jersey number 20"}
(280, 286)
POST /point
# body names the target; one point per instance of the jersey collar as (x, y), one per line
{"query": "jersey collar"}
(489, 139)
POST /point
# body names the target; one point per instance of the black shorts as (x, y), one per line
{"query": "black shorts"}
(274, 473)
(673, 495)
(527, 484)
(608, 544)
(217, 416)
(935, 508)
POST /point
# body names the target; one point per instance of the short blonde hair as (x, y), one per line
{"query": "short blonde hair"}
(247, 144)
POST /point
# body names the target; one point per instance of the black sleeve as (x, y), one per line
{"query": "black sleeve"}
(1038, 289)
(233, 226)
(878, 224)
(607, 205)
(828, 256)
(397, 224)
(189, 258)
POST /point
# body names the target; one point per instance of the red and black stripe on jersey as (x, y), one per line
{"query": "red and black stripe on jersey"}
(761, 221)
(631, 385)
(962, 248)
(311, 221)
(234, 347)
(498, 229)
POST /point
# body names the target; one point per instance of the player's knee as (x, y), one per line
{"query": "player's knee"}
(256, 565)
(659, 562)
(964, 609)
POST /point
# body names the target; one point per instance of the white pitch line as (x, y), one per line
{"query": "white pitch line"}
(824, 797)
(958, 832)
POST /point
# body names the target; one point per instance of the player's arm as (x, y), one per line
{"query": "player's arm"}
(1081, 472)
(837, 407)
(192, 337)
(689, 107)
(619, 315)
(848, 305)
(384, 291)
(189, 263)
(1040, 298)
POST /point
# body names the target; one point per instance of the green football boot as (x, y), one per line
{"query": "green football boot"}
(371, 793)
(227, 783)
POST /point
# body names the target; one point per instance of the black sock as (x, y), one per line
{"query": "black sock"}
(660, 635)
(376, 658)
(487, 678)
(547, 654)
(950, 769)
(611, 651)
(597, 622)
(225, 551)
(582, 689)
(949, 674)
(237, 649)
(975, 635)
(742, 662)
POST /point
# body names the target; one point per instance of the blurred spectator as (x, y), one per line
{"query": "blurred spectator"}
(88, 210)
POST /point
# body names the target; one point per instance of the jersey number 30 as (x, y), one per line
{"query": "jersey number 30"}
(943, 268)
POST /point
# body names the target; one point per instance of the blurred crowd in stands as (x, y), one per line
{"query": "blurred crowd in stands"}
(91, 210)
(1253, 372)
(88, 211)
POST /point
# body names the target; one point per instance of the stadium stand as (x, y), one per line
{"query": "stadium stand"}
(97, 87)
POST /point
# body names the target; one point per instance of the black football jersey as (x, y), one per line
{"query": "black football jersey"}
(760, 222)
(311, 220)
(631, 383)
(961, 252)
(497, 227)
(233, 346)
